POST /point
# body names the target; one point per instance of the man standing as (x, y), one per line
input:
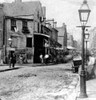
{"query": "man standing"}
(12, 60)
(91, 68)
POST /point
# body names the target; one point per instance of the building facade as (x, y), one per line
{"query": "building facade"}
(23, 30)
(62, 36)
(20, 20)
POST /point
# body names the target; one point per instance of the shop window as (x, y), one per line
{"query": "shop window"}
(29, 42)
(13, 24)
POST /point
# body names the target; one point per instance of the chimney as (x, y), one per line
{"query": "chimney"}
(18, 1)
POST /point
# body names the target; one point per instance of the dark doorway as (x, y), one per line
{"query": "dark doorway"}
(38, 48)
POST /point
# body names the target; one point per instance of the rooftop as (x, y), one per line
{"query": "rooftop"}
(21, 8)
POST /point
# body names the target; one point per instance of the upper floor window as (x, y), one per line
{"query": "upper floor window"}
(13, 24)
(25, 27)
(24, 24)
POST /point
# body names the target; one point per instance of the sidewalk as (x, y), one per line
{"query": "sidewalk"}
(90, 90)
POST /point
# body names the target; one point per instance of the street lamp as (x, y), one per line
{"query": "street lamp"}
(86, 40)
(10, 42)
(84, 13)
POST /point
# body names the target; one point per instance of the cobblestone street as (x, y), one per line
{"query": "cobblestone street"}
(36, 83)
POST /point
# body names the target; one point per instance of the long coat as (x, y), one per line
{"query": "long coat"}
(13, 60)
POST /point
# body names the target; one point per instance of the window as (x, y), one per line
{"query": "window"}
(24, 24)
(24, 27)
(29, 42)
(13, 24)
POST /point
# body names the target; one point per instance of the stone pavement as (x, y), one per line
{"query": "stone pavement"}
(90, 90)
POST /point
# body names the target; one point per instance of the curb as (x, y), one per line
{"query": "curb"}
(72, 94)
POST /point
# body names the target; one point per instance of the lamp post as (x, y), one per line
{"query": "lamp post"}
(86, 41)
(84, 13)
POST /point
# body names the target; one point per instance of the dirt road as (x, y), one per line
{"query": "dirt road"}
(35, 83)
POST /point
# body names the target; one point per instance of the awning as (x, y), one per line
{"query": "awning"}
(42, 34)
(10, 49)
(59, 48)
(70, 48)
(77, 58)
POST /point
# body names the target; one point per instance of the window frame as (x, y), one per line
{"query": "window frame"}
(13, 24)
(24, 24)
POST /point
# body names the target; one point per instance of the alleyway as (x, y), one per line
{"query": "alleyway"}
(35, 83)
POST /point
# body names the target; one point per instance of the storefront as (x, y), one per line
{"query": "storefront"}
(40, 41)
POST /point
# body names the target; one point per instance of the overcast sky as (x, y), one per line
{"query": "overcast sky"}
(66, 11)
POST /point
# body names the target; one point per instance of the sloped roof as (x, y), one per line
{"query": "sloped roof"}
(21, 8)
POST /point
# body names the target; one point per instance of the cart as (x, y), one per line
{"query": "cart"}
(76, 63)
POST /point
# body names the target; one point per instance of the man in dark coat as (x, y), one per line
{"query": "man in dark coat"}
(12, 60)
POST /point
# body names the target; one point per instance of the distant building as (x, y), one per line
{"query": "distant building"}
(62, 35)
(73, 43)
(70, 40)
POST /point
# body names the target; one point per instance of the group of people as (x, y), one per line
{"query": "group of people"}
(44, 59)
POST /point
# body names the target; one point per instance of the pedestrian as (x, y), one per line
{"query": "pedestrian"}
(12, 60)
(46, 58)
(9, 59)
(91, 68)
(41, 58)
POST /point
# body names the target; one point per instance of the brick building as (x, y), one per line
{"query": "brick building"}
(19, 21)
(24, 24)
